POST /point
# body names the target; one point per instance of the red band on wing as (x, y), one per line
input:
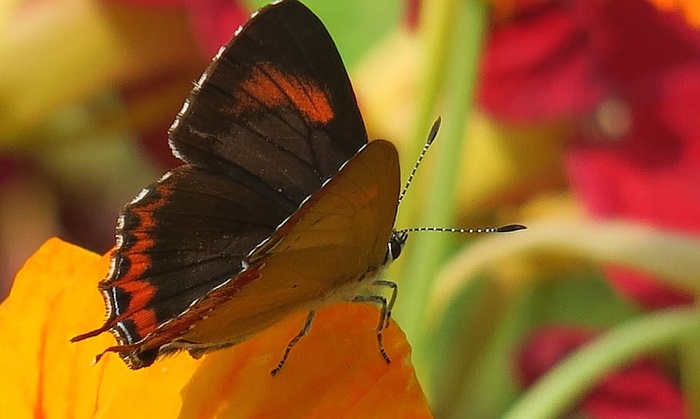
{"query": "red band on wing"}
(133, 260)
(183, 323)
(273, 88)
(145, 321)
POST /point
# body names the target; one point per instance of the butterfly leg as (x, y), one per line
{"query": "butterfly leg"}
(392, 299)
(304, 330)
(377, 299)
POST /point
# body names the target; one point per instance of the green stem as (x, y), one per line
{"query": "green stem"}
(557, 391)
(427, 251)
(690, 369)
(437, 19)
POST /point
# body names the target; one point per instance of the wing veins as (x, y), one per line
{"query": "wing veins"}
(259, 134)
(252, 178)
(312, 71)
(185, 266)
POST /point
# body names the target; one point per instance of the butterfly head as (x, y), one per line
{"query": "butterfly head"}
(395, 245)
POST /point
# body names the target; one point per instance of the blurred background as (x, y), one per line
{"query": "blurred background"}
(579, 118)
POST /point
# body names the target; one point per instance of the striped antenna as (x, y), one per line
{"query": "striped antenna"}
(431, 137)
(504, 229)
(399, 233)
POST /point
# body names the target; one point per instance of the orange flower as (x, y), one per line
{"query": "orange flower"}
(335, 371)
(690, 9)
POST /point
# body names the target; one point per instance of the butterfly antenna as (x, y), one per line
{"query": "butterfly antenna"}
(426, 146)
(503, 229)
(404, 233)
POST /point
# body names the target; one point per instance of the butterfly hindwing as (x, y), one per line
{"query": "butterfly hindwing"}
(177, 240)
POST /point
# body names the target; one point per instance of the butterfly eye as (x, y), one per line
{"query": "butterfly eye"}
(395, 245)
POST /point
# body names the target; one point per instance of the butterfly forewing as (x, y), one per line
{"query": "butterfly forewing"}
(276, 109)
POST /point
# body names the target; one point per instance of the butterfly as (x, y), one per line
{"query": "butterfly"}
(281, 205)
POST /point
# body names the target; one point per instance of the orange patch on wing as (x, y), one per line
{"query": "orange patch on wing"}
(145, 211)
(143, 243)
(141, 294)
(138, 265)
(146, 221)
(145, 321)
(274, 88)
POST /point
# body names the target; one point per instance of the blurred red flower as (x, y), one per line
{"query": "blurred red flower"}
(150, 52)
(213, 21)
(641, 390)
(628, 76)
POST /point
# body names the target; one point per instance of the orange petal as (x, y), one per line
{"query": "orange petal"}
(54, 297)
(335, 370)
(690, 9)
